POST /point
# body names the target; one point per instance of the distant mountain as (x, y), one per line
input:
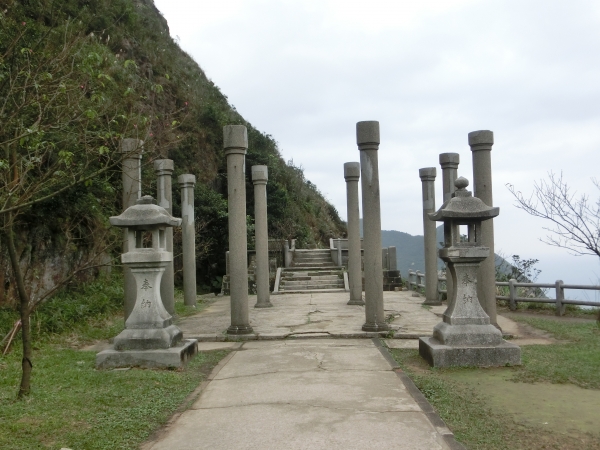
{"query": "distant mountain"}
(410, 250)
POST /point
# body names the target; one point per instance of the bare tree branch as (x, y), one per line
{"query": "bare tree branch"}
(575, 220)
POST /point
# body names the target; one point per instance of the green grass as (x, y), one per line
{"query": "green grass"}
(89, 311)
(576, 362)
(181, 310)
(74, 405)
(477, 425)
(471, 421)
(550, 309)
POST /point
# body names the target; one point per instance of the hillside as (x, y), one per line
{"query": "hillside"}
(78, 76)
(410, 250)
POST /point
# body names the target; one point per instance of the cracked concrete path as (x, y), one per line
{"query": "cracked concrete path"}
(313, 314)
(303, 394)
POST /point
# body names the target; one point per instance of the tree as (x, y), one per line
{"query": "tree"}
(66, 101)
(575, 219)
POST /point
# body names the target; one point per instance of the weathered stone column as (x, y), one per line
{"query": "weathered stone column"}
(132, 190)
(187, 182)
(481, 147)
(352, 175)
(449, 163)
(235, 143)
(367, 138)
(260, 175)
(427, 175)
(164, 169)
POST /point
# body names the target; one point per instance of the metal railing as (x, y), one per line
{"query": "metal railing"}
(416, 280)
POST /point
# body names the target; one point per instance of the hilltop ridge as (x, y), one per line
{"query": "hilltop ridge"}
(130, 74)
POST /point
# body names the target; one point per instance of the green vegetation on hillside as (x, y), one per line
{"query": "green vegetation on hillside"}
(78, 76)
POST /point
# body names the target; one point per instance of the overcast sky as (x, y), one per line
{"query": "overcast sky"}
(430, 71)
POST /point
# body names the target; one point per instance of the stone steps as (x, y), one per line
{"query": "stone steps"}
(319, 277)
(312, 271)
(313, 264)
(315, 283)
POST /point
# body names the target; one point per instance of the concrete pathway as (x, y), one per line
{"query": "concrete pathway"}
(314, 315)
(290, 386)
(306, 394)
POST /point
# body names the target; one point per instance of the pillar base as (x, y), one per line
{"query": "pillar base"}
(432, 303)
(240, 329)
(375, 327)
(174, 357)
(266, 304)
(440, 355)
(148, 338)
(356, 302)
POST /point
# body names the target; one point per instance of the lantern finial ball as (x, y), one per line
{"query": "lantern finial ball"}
(461, 183)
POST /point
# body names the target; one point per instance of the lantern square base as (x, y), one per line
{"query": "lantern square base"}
(439, 355)
(148, 338)
(174, 357)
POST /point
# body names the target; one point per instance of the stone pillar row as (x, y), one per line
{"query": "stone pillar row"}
(132, 189)
(481, 143)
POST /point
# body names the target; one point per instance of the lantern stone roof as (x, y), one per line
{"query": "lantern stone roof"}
(464, 206)
(145, 213)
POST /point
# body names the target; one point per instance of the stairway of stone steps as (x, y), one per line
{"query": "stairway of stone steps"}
(311, 271)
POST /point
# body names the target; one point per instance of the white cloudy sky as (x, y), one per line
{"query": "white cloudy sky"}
(429, 71)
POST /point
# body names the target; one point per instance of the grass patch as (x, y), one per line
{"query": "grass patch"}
(478, 425)
(182, 310)
(465, 412)
(72, 404)
(549, 309)
(576, 362)
(76, 406)
(82, 313)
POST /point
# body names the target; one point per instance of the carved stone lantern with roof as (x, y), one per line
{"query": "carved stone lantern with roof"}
(150, 339)
(465, 337)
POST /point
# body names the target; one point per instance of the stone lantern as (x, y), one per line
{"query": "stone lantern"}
(150, 339)
(465, 337)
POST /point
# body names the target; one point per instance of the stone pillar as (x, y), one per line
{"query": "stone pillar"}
(352, 175)
(385, 259)
(449, 163)
(481, 147)
(235, 143)
(427, 175)
(132, 191)
(367, 138)
(164, 169)
(187, 182)
(392, 260)
(260, 175)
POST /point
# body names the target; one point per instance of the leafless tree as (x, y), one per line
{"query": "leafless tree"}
(575, 218)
